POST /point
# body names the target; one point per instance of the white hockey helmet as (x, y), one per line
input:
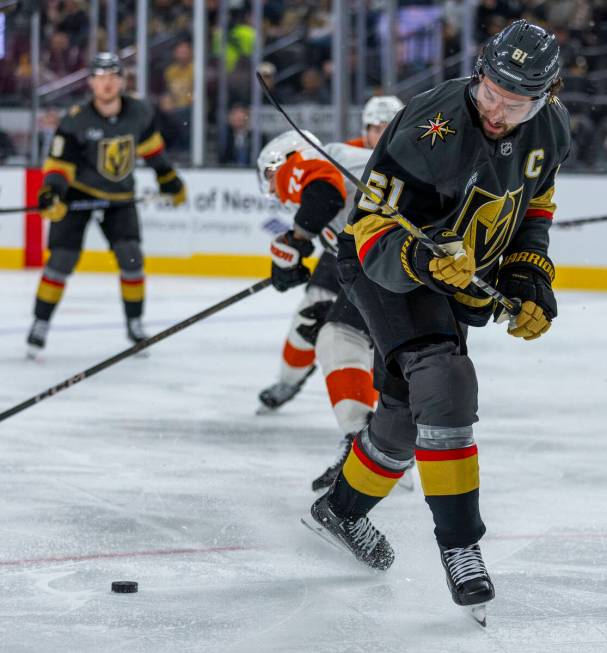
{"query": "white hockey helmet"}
(380, 110)
(275, 153)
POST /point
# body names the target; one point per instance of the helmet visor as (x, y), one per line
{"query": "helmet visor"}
(499, 109)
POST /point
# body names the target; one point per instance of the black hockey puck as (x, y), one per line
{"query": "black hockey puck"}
(124, 586)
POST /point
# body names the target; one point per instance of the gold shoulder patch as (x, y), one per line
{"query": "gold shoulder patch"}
(74, 110)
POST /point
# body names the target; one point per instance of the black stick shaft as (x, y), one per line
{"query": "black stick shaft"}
(144, 344)
(513, 306)
(77, 205)
(564, 224)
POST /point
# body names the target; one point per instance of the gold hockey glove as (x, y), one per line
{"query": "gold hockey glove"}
(446, 274)
(171, 184)
(528, 276)
(51, 204)
(530, 323)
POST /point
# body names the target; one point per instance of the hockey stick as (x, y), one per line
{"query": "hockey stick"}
(512, 306)
(566, 224)
(78, 205)
(144, 344)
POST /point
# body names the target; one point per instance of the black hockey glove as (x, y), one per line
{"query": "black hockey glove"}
(446, 275)
(52, 206)
(527, 276)
(317, 312)
(170, 184)
(287, 252)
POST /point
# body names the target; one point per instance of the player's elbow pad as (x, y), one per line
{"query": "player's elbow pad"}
(320, 203)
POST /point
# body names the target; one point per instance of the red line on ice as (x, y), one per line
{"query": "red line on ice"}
(121, 554)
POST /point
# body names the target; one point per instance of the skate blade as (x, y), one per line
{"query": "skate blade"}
(32, 353)
(479, 614)
(322, 533)
(262, 409)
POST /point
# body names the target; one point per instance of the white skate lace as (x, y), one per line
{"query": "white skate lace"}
(365, 534)
(465, 563)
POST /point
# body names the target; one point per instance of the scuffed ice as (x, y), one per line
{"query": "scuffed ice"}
(157, 470)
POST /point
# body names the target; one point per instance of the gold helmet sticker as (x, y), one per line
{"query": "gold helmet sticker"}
(436, 128)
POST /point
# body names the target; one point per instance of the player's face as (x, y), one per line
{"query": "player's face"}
(106, 87)
(373, 134)
(271, 179)
(500, 110)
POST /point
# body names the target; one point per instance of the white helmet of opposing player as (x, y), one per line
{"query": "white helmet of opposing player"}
(276, 152)
(380, 110)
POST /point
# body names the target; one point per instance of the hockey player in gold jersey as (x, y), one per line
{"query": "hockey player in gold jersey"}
(472, 162)
(93, 156)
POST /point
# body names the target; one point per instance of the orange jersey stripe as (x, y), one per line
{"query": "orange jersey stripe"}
(297, 357)
(297, 173)
(351, 383)
(356, 142)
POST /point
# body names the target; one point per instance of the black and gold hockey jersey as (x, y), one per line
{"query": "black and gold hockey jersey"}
(97, 155)
(436, 166)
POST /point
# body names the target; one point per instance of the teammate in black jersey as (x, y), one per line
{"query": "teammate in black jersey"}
(92, 156)
(472, 162)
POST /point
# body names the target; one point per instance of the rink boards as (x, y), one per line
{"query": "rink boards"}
(226, 225)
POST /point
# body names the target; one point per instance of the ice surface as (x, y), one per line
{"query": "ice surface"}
(157, 470)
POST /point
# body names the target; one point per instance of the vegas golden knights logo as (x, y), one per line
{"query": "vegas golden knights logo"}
(116, 157)
(487, 222)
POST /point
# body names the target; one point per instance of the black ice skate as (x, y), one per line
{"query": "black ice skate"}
(36, 339)
(330, 474)
(357, 535)
(468, 579)
(278, 394)
(134, 330)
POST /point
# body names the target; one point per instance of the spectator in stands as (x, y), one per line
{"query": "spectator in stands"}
(576, 78)
(240, 39)
(75, 22)
(236, 148)
(162, 16)
(320, 32)
(60, 58)
(179, 75)
(313, 88)
(173, 126)
(490, 9)
(267, 70)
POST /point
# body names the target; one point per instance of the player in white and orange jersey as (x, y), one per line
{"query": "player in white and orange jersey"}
(326, 326)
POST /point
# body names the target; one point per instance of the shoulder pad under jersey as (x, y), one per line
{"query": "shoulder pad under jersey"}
(428, 140)
(348, 155)
(72, 119)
